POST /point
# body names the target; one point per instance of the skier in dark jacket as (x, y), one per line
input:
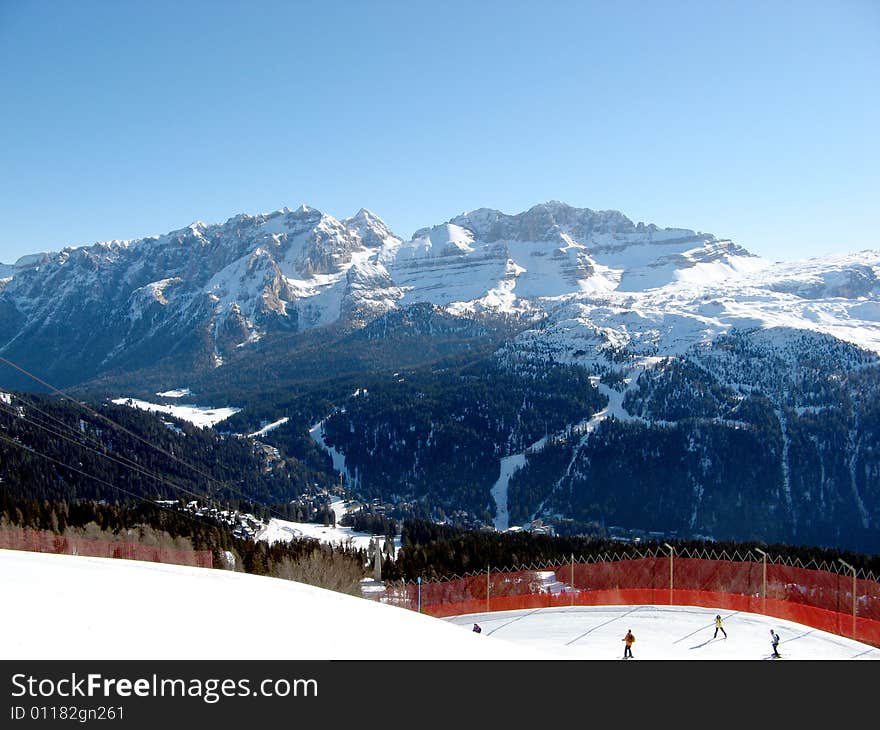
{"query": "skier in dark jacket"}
(774, 642)
(477, 628)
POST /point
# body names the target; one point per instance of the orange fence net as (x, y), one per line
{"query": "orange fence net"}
(818, 598)
(48, 542)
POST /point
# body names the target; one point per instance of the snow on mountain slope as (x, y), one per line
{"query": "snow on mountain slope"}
(374, 234)
(269, 427)
(92, 308)
(197, 415)
(175, 393)
(841, 299)
(548, 252)
(277, 530)
(178, 612)
(606, 281)
(595, 277)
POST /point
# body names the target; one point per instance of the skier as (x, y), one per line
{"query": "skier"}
(719, 627)
(628, 641)
(477, 628)
(774, 641)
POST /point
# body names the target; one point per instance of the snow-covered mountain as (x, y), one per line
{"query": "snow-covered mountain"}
(701, 349)
(593, 278)
(196, 293)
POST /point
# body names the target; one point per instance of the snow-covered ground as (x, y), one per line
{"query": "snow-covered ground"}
(175, 393)
(73, 607)
(269, 427)
(511, 464)
(317, 434)
(204, 417)
(662, 632)
(283, 531)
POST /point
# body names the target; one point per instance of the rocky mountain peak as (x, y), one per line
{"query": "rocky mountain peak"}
(644, 287)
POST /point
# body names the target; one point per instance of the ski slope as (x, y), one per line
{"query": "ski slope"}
(74, 607)
(662, 632)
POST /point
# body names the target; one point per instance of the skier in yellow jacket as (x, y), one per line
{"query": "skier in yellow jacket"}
(719, 627)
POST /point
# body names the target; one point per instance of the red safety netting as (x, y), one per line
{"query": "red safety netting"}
(47, 542)
(817, 598)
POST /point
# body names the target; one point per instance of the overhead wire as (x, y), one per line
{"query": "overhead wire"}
(57, 391)
(113, 423)
(116, 487)
(121, 460)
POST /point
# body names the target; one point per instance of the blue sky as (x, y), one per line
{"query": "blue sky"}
(754, 121)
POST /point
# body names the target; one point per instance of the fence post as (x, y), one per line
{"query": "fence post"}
(854, 588)
(488, 588)
(763, 580)
(671, 558)
(572, 579)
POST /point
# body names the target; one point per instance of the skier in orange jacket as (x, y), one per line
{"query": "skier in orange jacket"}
(628, 641)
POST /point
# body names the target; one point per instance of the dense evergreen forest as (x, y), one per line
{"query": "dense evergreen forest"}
(728, 443)
(438, 436)
(52, 448)
(318, 362)
(759, 436)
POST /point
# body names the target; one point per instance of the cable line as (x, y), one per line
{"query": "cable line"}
(122, 461)
(52, 459)
(88, 409)
(120, 427)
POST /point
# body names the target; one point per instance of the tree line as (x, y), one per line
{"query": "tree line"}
(304, 560)
(435, 552)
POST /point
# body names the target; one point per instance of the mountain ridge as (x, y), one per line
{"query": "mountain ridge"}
(209, 290)
(729, 395)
